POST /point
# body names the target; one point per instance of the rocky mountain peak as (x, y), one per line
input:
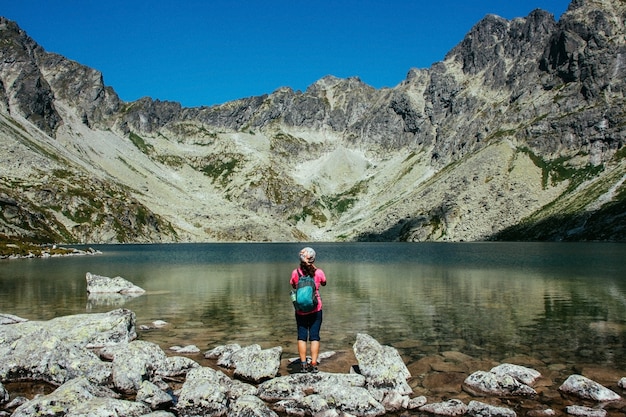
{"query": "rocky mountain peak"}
(518, 133)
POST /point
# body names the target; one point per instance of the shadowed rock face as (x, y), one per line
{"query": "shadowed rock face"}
(516, 134)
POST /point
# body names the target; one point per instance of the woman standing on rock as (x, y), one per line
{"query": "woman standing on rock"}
(309, 322)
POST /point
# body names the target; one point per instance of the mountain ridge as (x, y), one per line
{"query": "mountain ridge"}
(520, 123)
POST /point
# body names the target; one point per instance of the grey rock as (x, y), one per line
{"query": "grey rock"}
(449, 408)
(4, 395)
(255, 364)
(582, 411)
(346, 393)
(523, 374)
(135, 362)
(65, 398)
(107, 407)
(185, 349)
(622, 383)
(296, 386)
(153, 396)
(585, 388)
(481, 383)
(36, 352)
(204, 392)
(416, 402)
(381, 366)
(10, 319)
(310, 405)
(97, 284)
(223, 354)
(480, 409)
(176, 366)
(250, 406)
(16, 402)
(394, 401)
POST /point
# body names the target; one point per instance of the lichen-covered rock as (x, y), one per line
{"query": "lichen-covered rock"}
(382, 366)
(582, 411)
(480, 409)
(450, 408)
(4, 394)
(10, 319)
(482, 383)
(98, 284)
(223, 354)
(343, 392)
(176, 366)
(204, 392)
(135, 362)
(585, 388)
(255, 364)
(250, 406)
(153, 396)
(523, 374)
(61, 401)
(35, 353)
(297, 386)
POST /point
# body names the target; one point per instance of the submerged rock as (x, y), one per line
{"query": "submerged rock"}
(451, 408)
(582, 411)
(480, 409)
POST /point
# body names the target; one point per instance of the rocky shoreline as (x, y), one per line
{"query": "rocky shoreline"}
(97, 365)
(25, 251)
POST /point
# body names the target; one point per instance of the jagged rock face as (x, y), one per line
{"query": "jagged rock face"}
(517, 134)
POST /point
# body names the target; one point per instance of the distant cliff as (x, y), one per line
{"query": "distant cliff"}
(518, 134)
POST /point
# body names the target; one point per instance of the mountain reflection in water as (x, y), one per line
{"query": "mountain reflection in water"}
(560, 303)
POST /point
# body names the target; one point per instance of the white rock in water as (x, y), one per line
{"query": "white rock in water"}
(100, 284)
(585, 388)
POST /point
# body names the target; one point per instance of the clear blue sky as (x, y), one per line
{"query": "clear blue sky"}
(205, 52)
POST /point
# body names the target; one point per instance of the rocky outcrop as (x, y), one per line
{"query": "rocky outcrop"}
(129, 377)
(517, 134)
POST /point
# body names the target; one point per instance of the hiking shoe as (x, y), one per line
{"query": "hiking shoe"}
(313, 369)
(304, 367)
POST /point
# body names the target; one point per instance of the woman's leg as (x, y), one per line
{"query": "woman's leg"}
(315, 351)
(302, 350)
(314, 336)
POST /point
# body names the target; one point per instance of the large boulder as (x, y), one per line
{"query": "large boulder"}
(56, 351)
(36, 353)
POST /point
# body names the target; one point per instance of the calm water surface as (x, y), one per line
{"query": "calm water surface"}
(557, 302)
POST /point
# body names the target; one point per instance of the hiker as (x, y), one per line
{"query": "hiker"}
(309, 322)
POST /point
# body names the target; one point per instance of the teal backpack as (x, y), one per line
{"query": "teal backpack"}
(305, 299)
